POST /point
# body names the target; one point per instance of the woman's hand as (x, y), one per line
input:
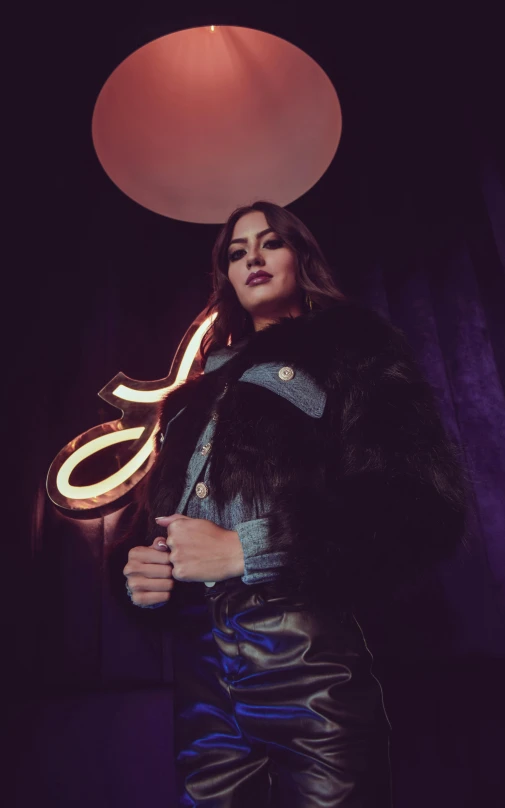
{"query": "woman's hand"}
(149, 574)
(200, 550)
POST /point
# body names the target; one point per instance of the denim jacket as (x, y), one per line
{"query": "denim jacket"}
(260, 560)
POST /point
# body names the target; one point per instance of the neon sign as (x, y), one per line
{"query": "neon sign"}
(131, 438)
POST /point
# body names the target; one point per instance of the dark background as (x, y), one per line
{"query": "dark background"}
(411, 214)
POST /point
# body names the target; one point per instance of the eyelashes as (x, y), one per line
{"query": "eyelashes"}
(274, 243)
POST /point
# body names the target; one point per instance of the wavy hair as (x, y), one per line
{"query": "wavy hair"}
(314, 275)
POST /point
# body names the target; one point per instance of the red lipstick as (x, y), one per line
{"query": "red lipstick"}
(257, 277)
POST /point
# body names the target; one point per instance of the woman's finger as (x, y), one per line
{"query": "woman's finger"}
(143, 583)
(164, 521)
(149, 567)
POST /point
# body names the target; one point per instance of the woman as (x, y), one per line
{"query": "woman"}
(304, 473)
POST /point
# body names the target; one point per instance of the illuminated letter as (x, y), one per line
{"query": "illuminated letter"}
(133, 435)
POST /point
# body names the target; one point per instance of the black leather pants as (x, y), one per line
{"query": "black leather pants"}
(276, 707)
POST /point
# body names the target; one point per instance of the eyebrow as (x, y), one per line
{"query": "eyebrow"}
(258, 235)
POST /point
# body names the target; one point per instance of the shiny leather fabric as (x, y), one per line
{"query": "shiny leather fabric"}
(275, 706)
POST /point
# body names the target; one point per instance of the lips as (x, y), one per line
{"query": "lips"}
(260, 274)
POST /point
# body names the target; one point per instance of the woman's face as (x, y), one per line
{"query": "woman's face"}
(255, 248)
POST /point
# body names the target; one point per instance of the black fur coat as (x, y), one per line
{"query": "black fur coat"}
(364, 497)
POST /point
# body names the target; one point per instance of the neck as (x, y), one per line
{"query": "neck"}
(261, 321)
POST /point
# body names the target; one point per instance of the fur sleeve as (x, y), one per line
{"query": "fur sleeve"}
(391, 498)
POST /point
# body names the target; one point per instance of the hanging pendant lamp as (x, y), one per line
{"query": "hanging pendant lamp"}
(202, 120)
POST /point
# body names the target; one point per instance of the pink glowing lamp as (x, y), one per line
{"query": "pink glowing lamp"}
(200, 121)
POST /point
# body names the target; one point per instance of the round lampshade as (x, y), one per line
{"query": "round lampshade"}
(203, 120)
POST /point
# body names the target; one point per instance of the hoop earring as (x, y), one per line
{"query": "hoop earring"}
(308, 301)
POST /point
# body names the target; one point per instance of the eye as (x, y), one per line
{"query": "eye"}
(235, 255)
(272, 244)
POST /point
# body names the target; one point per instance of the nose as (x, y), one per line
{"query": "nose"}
(254, 260)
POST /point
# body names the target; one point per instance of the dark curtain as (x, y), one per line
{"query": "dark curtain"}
(411, 214)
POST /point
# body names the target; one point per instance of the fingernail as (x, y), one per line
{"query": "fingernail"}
(162, 545)
(157, 518)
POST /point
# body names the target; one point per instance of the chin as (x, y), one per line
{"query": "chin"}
(265, 304)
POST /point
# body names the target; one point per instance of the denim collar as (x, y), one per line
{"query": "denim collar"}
(216, 359)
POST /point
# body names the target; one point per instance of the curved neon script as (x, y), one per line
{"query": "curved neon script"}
(133, 435)
(127, 394)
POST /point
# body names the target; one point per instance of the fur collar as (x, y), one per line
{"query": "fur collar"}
(321, 343)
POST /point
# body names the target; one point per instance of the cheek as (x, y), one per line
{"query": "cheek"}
(233, 276)
(236, 278)
(287, 270)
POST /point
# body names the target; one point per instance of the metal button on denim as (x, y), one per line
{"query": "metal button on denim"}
(286, 374)
(205, 449)
(201, 490)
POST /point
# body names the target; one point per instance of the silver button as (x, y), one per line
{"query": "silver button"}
(286, 374)
(225, 388)
(205, 449)
(215, 416)
(201, 490)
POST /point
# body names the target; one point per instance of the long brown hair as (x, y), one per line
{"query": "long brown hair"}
(314, 275)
